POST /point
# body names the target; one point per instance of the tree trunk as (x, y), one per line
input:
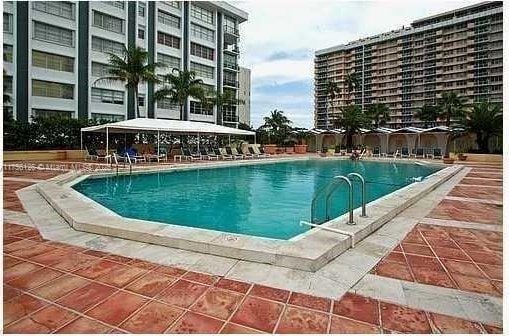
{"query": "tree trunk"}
(482, 142)
(136, 102)
(181, 111)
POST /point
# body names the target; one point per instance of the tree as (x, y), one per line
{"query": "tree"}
(131, 69)
(352, 82)
(352, 120)
(485, 120)
(379, 114)
(332, 90)
(180, 85)
(429, 114)
(7, 96)
(277, 126)
(220, 100)
(452, 106)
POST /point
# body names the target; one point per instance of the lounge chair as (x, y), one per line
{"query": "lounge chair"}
(437, 153)
(393, 154)
(102, 155)
(235, 156)
(204, 155)
(419, 153)
(186, 153)
(405, 153)
(90, 154)
(428, 153)
(222, 155)
(253, 153)
(337, 151)
(136, 158)
(246, 153)
(376, 151)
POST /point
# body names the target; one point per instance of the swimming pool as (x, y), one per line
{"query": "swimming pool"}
(264, 200)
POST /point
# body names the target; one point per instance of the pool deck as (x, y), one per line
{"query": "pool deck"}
(434, 268)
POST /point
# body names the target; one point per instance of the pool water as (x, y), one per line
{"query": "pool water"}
(265, 200)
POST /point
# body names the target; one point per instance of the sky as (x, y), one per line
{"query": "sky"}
(280, 37)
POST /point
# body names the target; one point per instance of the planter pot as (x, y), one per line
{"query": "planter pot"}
(330, 152)
(289, 150)
(462, 157)
(270, 149)
(300, 149)
(448, 160)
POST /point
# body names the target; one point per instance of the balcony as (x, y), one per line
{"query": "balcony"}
(230, 66)
(231, 48)
(231, 30)
(230, 83)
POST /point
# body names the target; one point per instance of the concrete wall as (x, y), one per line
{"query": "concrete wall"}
(47, 155)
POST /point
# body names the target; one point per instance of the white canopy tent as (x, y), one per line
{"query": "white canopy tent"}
(149, 125)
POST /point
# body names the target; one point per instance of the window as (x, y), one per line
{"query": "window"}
(169, 61)
(8, 84)
(52, 113)
(168, 40)
(141, 99)
(141, 32)
(58, 8)
(108, 22)
(167, 104)
(198, 108)
(202, 32)
(202, 51)
(51, 89)
(107, 96)
(53, 34)
(109, 117)
(174, 4)
(7, 23)
(100, 70)
(231, 27)
(202, 14)
(51, 61)
(202, 70)
(168, 19)
(7, 53)
(103, 45)
(118, 4)
(141, 9)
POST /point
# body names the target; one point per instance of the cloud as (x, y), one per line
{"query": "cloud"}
(280, 37)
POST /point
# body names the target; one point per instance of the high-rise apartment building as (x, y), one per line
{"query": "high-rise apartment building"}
(460, 50)
(245, 96)
(54, 51)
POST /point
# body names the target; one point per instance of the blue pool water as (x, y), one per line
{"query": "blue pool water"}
(266, 200)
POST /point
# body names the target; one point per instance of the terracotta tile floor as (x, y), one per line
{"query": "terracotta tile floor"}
(465, 259)
(11, 200)
(33, 174)
(468, 211)
(494, 194)
(476, 181)
(60, 288)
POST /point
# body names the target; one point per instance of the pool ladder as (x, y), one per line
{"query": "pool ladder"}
(113, 157)
(329, 190)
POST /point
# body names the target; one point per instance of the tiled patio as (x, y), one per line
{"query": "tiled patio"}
(51, 287)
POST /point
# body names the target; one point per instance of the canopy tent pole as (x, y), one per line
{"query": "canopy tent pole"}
(157, 145)
(229, 140)
(107, 142)
(81, 140)
(198, 142)
(255, 138)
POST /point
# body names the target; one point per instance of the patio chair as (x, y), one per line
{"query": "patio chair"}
(90, 154)
(262, 151)
(429, 153)
(337, 151)
(235, 156)
(405, 153)
(247, 154)
(222, 155)
(102, 155)
(253, 153)
(204, 155)
(210, 152)
(393, 154)
(419, 153)
(189, 156)
(376, 151)
(437, 153)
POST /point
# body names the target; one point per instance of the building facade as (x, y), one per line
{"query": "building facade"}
(245, 96)
(460, 50)
(54, 51)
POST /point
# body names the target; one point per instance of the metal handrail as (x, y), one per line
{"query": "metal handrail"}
(350, 198)
(130, 163)
(359, 176)
(313, 201)
(114, 156)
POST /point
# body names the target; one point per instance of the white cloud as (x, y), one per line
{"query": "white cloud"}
(286, 28)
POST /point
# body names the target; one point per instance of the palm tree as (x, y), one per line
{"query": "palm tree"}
(221, 100)
(181, 84)
(485, 120)
(452, 106)
(7, 96)
(132, 69)
(352, 82)
(332, 90)
(378, 113)
(429, 114)
(352, 120)
(277, 125)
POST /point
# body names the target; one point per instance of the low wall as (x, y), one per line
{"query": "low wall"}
(484, 157)
(43, 155)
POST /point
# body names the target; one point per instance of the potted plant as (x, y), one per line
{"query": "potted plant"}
(301, 147)
(448, 160)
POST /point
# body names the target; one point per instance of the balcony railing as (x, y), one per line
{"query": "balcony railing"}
(231, 66)
(232, 48)
(231, 30)
(230, 83)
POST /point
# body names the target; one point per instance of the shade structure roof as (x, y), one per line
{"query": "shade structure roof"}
(150, 125)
